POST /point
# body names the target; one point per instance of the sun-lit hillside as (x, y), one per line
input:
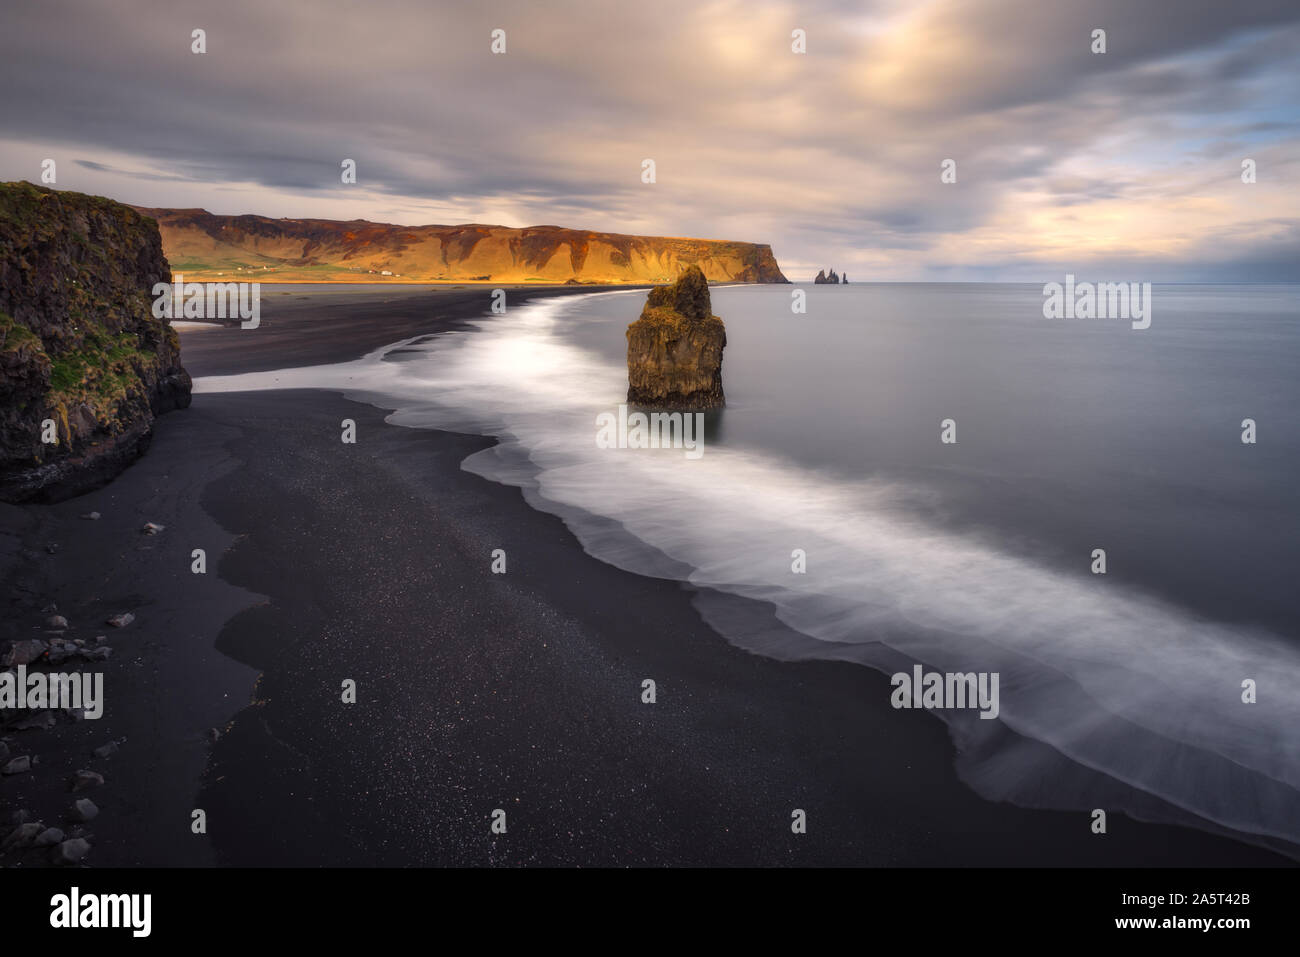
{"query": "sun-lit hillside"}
(205, 246)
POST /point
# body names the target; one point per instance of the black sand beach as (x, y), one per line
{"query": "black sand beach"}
(476, 691)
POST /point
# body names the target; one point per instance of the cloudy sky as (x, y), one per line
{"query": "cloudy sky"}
(1122, 165)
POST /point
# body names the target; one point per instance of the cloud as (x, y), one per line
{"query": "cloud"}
(833, 157)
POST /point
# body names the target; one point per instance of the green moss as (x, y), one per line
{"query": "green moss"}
(102, 372)
(20, 204)
(67, 372)
(14, 334)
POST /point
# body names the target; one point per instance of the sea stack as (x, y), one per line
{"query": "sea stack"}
(84, 365)
(674, 350)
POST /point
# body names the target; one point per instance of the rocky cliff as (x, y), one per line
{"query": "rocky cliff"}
(82, 360)
(203, 246)
(674, 350)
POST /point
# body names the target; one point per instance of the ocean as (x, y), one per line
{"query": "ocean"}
(1167, 688)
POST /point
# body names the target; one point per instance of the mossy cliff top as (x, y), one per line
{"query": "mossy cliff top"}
(79, 346)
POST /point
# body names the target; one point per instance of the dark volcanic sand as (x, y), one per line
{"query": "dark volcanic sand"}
(475, 691)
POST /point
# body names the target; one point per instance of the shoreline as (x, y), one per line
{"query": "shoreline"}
(476, 691)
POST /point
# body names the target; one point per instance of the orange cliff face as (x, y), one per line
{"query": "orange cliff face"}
(204, 247)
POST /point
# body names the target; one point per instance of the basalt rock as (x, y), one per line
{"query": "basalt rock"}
(674, 350)
(79, 345)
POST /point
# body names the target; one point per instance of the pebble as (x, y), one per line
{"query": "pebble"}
(49, 837)
(84, 810)
(106, 750)
(72, 852)
(57, 622)
(122, 620)
(23, 652)
(151, 528)
(91, 516)
(41, 721)
(57, 656)
(85, 780)
(23, 835)
(19, 765)
(61, 650)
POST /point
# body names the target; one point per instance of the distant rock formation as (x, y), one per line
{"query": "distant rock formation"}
(79, 346)
(207, 247)
(823, 278)
(674, 350)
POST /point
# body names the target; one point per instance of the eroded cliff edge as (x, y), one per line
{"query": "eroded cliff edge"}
(79, 346)
(204, 246)
(674, 350)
